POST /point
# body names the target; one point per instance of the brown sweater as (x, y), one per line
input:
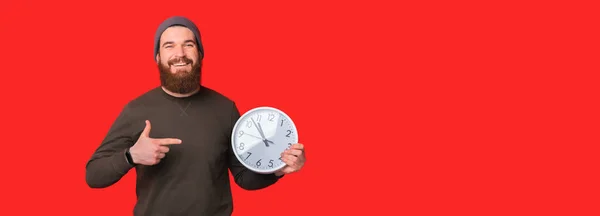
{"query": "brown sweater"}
(193, 177)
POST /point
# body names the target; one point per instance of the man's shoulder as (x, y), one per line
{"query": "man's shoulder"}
(219, 102)
(216, 96)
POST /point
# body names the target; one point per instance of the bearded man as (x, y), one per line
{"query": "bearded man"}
(177, 137)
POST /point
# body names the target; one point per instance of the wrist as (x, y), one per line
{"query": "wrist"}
(129, 158)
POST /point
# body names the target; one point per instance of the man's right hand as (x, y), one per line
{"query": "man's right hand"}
(149, 151)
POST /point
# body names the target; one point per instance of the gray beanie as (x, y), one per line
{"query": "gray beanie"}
(180, 21)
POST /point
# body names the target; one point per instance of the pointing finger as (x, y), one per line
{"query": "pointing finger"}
(167, 141)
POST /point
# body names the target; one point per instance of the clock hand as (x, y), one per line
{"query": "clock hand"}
(258, 128)
(257, 137)
(252, 135)
(266, 140)
(261, 132)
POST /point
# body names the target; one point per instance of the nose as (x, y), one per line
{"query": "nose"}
(179, 52)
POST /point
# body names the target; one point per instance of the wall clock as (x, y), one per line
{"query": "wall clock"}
(260, 136)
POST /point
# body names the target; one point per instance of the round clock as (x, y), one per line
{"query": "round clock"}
(260, 136)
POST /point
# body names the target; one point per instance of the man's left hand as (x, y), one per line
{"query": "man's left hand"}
(294, 158)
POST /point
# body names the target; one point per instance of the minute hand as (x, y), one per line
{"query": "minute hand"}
(263, 135)
(260, 132)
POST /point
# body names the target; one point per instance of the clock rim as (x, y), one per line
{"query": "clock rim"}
(237, 123)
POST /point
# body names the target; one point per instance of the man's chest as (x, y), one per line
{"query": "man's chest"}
(203, 134)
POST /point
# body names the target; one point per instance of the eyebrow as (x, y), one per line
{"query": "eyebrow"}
(171, 42)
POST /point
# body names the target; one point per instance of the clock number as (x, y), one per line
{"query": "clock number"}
(271, 163)
(248, 155)
(241, 133)
(289, 145)
(241, 146)
(289, 132)
(258, 118)
(282, 122)
(271, 116)
(249, 124)
(258, 162)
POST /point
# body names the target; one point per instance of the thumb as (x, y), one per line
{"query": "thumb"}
(146, 132)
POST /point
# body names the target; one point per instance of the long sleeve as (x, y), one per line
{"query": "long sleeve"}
(245, 178)
(109, 164)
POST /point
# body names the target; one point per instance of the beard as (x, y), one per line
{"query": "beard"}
(183, 81)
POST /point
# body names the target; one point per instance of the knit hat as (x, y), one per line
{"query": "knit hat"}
(177, 21)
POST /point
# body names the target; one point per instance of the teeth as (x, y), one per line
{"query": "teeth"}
(180, 64)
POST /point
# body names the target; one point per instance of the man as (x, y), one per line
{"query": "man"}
(177, 137)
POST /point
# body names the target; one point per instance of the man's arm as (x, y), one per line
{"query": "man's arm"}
(109, 164)
(245, 178)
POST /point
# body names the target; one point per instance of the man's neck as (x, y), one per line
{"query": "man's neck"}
(174, 94)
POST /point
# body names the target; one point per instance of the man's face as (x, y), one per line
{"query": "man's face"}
(178, 60)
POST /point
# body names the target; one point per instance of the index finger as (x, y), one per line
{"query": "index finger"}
(167, 141)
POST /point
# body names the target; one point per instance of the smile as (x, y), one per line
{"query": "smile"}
(180, 64)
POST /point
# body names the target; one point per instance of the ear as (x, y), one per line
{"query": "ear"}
(157, 57)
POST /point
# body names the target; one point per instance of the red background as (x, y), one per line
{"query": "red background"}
(410, 108)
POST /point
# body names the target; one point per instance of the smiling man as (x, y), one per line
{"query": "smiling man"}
(180, 62)
(177, 137)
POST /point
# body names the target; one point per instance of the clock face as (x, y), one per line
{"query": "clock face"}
(260, 136)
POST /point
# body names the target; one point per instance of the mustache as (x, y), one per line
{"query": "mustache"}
(180, 60)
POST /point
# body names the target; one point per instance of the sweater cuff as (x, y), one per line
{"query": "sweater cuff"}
(120, 163)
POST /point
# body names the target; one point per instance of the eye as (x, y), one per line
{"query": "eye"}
(190, 45)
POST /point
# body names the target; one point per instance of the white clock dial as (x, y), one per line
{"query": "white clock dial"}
(260, 136)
